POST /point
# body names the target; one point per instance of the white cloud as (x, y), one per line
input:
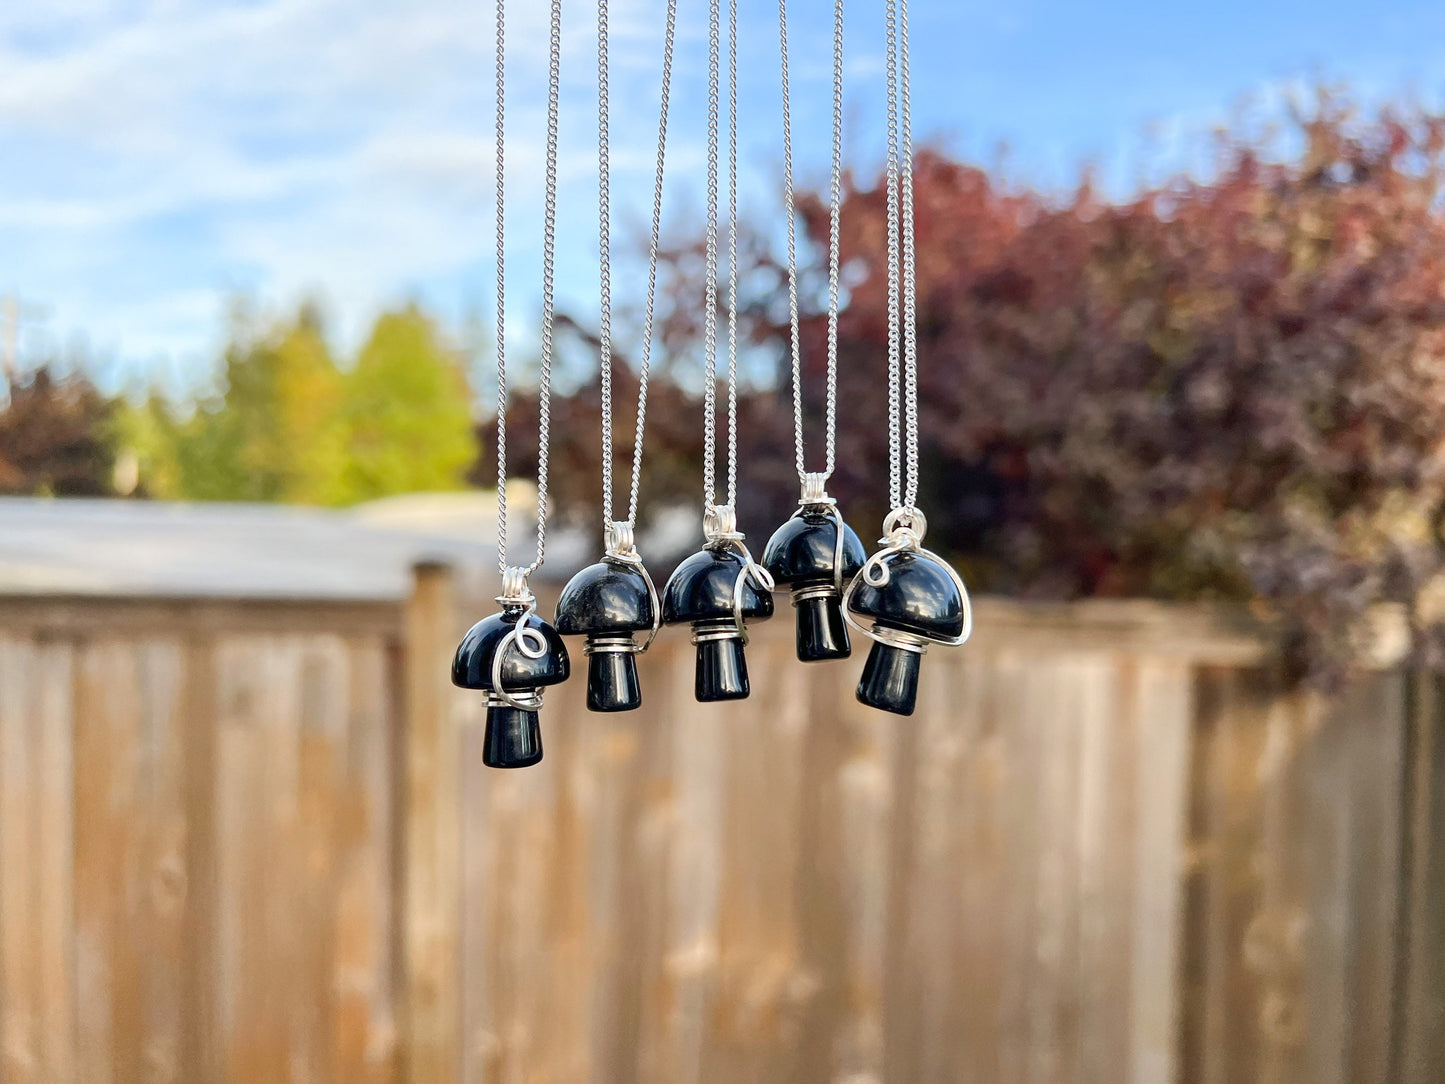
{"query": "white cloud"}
(170, 151)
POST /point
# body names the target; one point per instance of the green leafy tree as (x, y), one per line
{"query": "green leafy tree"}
(272, 433)
(278, 428)
(406, 418)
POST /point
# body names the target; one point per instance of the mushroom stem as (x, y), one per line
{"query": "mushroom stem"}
(612, 683)
(513, 737)
(822, 634)
(890, 678)
(722, 669)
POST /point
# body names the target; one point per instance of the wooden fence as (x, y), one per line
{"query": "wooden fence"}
(254, 842)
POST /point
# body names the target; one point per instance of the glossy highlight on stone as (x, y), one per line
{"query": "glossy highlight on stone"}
(920, 603)
(606, 602)
(800, 556)
(890, 679)
(612, 683)
(513, 737)
(700, 593)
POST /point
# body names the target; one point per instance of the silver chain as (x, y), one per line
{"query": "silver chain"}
(902, 325)
(732, 252)
(709, 395)
(604, 263)
(501, 289)
(604, 202)
(549, 235)
(835, 195)
(910, 289)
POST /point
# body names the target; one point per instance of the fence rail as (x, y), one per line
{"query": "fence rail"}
(254, 841)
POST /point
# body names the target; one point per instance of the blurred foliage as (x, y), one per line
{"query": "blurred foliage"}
(672, 448)
(290, 425)
(55, 437)
(1220, 389)
(407, 415)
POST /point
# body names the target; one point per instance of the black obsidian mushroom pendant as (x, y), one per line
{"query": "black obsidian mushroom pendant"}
(913, 598)
(814, 554)
(717, 591)
(511, 656)
(610, 603)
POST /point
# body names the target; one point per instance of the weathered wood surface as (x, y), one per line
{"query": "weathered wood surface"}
(255, 842)
(197, 846)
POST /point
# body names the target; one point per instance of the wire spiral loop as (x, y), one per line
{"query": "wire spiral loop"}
(528, 641)
(903, 532)
(815, 497)
(720, 528)
(622, 549)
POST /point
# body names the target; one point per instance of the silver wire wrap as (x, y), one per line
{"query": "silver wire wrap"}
(527, 640)
(604, 334)
(720, 528)
(835, 194)
(903, 532)
(620, 644)
(622, 548)
(815, 497)
(549, 252)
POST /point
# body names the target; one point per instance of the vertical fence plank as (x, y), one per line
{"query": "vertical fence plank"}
(759, 978)
(363, 1033)
(162, 840)
(1227, 823)
(1105, 834)
(53, 719)
(1162, 705)
(110, 926)
(202, 1049)
(431, 810)
(19, 1011)
(255, 809)
(1419, 1054)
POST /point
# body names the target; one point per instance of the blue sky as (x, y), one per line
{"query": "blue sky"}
(162, 156)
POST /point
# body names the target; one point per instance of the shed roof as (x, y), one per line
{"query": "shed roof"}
(164, 550)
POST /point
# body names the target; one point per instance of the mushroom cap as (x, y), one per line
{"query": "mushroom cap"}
(701, 589)
(802, 549)
(920, 597)
(472, 666)
(610, 596)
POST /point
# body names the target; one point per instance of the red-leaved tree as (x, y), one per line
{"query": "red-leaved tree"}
(1223, 389)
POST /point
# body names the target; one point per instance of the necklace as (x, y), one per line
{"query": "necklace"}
(913, 597)
(814, 552)
(512, 655)
(718, 589)
(613, 600)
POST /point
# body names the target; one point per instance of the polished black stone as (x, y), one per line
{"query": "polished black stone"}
(701, 589)
(920, 597)
(822, 634)
(800, 552)
(890, 679)
(608, 597)
(513, 738)
(612, 682)
(472, 665)
(722, 671)
(700, 593)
